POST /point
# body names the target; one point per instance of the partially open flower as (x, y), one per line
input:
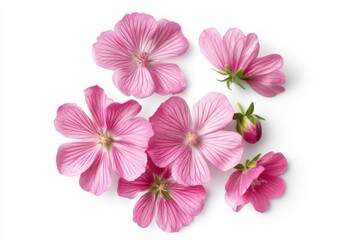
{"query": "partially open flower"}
(248, 124)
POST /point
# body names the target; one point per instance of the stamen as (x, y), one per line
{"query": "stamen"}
(192, 138)
(257, 182)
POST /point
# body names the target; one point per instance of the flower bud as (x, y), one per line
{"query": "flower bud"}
(248, 124)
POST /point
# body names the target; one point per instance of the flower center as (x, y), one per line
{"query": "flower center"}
(105, 140)
(192, 138)
(142, 58)
(160, 187)
(257, 182)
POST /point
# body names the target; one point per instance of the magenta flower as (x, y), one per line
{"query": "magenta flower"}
(236, 56)
(134, 50)
(173, 205)
(257, 182)
(185, 143)
(248, 124)
(113, 139)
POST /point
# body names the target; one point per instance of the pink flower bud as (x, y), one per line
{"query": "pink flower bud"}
(248, 124)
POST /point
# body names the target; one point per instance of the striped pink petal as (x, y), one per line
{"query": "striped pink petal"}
(268, 85)
(97, 178)
(168, 78)
(75, 158)
(72, 122)
(145, 209)
(213, 112)
(96, 101)
(168, 41)
(274, 163)
(265, 65)
(233, 45)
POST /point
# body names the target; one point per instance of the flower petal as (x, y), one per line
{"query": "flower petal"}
(189, 198)
(136, 30)
(273, 187)
(170, 123)
(72, 122)
(213, 112)
(130, 189)
(97, 100)
(249, 51)
(233, 44)
(97, 179)
(110, 52)
(259, 200)
(117, 115)
(170, 217)
(211, 46)
(128, 161)
(268, 85)
(265, 65)
(168, 78)
(75, 158)
(222, 148)
(275, 164)
(134, 80)
(168, 41)
(237, 185)
(191, 168)
(144, 210)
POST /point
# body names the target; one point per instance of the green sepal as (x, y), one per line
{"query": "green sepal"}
(222, 73)
(166, 194)
(250, 109)
(246, 77)
(251, 119)
(259, 117)
(238, 116)
(238, 128)
(241, 108)
(228, 83)
(251, 164)
(240, 167)
(227, 70)
(256, 157)
(239, 73)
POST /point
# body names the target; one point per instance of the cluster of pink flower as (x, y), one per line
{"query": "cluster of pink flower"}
(166, 157)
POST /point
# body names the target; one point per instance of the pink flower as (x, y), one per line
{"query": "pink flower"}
(257, 182)
(113, 139)
(173, 205)
(134, 50)
(185, 143)
(248, 124)
(236, 56)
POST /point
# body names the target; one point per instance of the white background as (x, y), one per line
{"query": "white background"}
(46, 60)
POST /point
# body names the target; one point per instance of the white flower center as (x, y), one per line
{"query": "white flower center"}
(257, 182)
(105, 140)
(142, 58)
(192, 138)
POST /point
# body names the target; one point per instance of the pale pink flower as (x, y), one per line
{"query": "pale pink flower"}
(171, 204)
(186, 143)
(236, 56)
(257, 182)
(134, 50)
(113, 139)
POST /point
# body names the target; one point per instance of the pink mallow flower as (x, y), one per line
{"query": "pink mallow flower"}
(113, 139)
(134, 50)
(185, 143)
(248, 124)
(256, 182)
(173, 205)
(236, 56)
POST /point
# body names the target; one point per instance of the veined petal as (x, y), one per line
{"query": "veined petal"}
(168, 41)
(117, 114)
(239, 183)
(76, 157)
(110, 52)
(128, 161)
(222, 148)
(259, 200)
(268, 85)
(170, 217)
(233, 44)
(189, 198)
(97, 101)
(265, 65)
(130, 189)
(144, 210)
(191, 168)
(136, 30)
(275, 164)
(213, 112)
(211, 46)
(273, 187)
(72, 122)
(250, 50)
(170, 123)
(168, 78)
(97, 179)
(134, 80)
